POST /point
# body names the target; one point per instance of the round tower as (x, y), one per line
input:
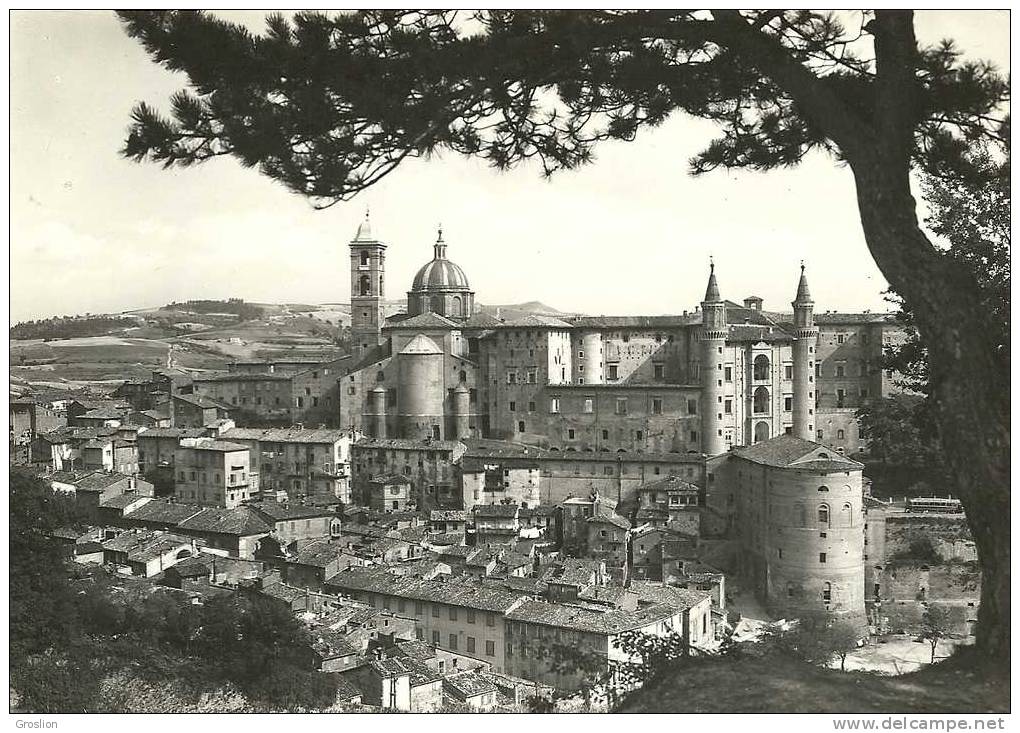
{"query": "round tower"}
(815, 542)
(591, 346)
(377, 414)
(420, 391)
(461, 412)
(713, 342)
(804, 361)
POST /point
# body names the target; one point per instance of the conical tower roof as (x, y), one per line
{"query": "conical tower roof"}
(803, 293)
(712, 292)
(364, 233)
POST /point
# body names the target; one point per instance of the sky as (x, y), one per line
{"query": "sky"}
(630, 234)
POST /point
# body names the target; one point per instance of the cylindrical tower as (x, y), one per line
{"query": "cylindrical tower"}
(804, 361)
(420, 390)
(815, 540)
(591, 346)
(461, 412)
(713, 342)
(377, 406)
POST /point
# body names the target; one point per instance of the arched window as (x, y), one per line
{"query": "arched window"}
(827, 592)
(761, 401)
(380, 377)
(848, 515)
(365, 286)
(841, 434)
(456, 309)
(364, 256)
(761, 367)
(823, 489)
(463, 376)
(761, 432)
(438, 305)
(823, 514)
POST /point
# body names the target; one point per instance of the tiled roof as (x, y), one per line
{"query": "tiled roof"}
(285, 435)
(614, 519)
(651, 592)
(319, 553)
(436, 591)
(123, 501)
(481, 320)
(495, 510)
(164, 512)
(389, 479)
(282, 512)
(171, 433)
(242, 521)
(606, 322)
(200, 401)
(608, 621)
(421, 345)
(102, 413)
(532, 320)
(220, 446)
(448, 515)
(424, 320)
(784, 451)
(838, 319)
(244, 377)
(329, 644)
(407, 444)
(468, 684)
(669, 483)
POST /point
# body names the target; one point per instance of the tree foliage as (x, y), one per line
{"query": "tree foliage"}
(821, 640)
(934, 627)
(330, 104)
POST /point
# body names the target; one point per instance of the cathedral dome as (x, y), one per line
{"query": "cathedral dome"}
(440, 273)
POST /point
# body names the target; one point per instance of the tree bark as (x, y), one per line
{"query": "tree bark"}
(969, 385)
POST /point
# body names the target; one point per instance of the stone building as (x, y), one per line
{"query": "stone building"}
(796, 511)
(213, 473)
(721, 376)
(429, 464)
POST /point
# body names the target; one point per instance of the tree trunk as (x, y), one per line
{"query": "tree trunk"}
(970, 385)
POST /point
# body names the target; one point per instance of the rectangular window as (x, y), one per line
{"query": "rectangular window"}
(471, 645)
(511, 377)
(788, 404)
(490, 620)
(614, 372)
(621, 405)
(589, 404)
(435, 638)
(728, 407)
(821, 557)
(513, 406)
(453, 613)
(788, 371)
(692, 407)
(659, 371)
(728, 374)
(490, 648)
(532, 376)
(656, 405)
(570, 434)
(435, 610)
(471, 616)
(453, 642)
(520, 426)
(840, 370)
(554, 405)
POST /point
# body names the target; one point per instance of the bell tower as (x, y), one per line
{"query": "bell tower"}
(368, 266)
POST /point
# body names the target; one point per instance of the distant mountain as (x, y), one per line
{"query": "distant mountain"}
(532, 307)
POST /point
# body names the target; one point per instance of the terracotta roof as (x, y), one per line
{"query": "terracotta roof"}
(496, 510)
(435, 591)
(424, 321)
(242, 521)
(281, 512)
(622, 322)
(786, 451)
(221, 446)
(533, 320)
(164, 512)
(171, 433)
(614, 519)
(448, 515)
(407, 444)
(286, 435)
(607, 621)
(669, 483)
(468, 684)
